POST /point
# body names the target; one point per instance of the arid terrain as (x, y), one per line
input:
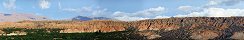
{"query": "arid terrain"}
(202, 28)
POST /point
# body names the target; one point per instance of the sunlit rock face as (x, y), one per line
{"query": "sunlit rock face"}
(149, 34)
(194, 27)
(205, 35)
(218, 23)
(238, 35)
(156, 24)
(102, 26)
(14, 17)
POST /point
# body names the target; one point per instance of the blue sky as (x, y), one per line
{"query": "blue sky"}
(124, 9)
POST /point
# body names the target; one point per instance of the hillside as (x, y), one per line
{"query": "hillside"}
(169, 28)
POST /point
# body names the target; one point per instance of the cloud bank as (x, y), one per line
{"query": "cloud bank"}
(210, 9)
(185, 8)
(140, 15)
(215, 12)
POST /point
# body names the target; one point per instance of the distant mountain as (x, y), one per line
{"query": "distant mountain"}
(101, 18)
(83, 18)
(14, 17)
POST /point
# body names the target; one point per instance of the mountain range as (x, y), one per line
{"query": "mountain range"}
(15, 17)
(83, 18)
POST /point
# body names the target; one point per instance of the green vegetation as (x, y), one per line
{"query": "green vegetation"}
(54, 34)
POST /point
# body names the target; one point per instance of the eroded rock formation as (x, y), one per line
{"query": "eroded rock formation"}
(170, 28)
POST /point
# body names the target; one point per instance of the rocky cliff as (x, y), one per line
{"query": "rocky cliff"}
(170, 28)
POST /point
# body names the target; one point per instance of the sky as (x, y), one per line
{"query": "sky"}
(125, 10)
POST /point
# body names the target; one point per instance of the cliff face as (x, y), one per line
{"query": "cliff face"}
(157, 24)
(71, 26)
(216, 23)
(172, 28)
(102, 26)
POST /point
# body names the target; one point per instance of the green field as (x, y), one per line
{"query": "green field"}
(54, 34)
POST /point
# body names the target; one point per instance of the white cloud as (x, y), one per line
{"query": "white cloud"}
(127, 18)
(180, 15)
(210, 10)
(9, 4)
(44, 4)
(150, 12)
(215, 12)
(120, 14)
(185, 8)
(140, 15)
(159, 17)
(213, 3)
(143, 13)
(223, 2)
